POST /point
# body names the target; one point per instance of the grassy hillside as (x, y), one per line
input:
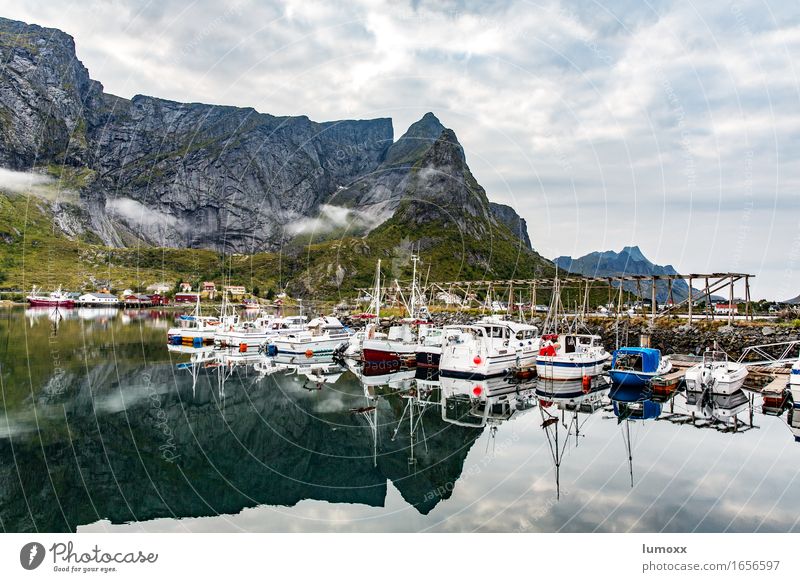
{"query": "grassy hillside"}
(37, 252)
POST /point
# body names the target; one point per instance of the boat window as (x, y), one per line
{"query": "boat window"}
(585, 340)
(597, 342)
(629, 362)
(569, 344)
(495, 332)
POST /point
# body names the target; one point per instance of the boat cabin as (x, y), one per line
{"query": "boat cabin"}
(325, 324)
(572, 343)
(291, 322)
(644, 360)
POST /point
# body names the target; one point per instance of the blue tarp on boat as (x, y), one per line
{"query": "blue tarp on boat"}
(650, 358)
(627, 392)
(647, 411)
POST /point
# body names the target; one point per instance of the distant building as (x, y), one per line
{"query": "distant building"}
(105, 299)
(137, 300)
(209, 286)
(235, 290)
(726, 308)
(187, 297)
(185, 287)
(159, 299)
(159, 288)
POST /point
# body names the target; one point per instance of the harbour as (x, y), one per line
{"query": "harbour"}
(284, 422)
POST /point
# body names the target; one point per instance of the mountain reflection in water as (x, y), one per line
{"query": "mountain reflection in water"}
(104, 428)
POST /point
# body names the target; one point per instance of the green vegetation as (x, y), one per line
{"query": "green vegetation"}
(70, 177)
(38, 253)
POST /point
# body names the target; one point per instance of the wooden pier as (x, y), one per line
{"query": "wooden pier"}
(526, 291)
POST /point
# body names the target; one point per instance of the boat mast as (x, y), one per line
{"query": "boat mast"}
(376, 293)
(413, 300)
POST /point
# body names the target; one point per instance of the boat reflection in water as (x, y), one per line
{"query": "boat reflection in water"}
(793, 420)
(567, 405)
(720, 411)
(248, 441)
(222, 432)
(482, 403)
(633, 403)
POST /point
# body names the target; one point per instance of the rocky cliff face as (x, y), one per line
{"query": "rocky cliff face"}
(509, 217)
(231, 179)
(46, 97)
(222, 177)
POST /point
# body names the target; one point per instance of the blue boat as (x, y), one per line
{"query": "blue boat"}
(634, 402)
(637, 366)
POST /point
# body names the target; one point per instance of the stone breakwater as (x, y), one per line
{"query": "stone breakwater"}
(680, 338)
(669, 336)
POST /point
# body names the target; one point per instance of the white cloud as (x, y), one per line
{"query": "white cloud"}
(24, 182)
(136, 213)
(590, 120)
(331, 218)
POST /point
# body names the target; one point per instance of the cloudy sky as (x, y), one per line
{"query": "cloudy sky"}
(669, 124)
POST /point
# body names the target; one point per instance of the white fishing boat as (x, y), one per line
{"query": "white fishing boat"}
(280, 326)
(250, 334)
(571, 356)
(319, 338)
(716, 373)
(195, 329)
(794, 384)
(489, 347)
(568, 355)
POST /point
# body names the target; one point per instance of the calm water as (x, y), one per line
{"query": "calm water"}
(103, 428)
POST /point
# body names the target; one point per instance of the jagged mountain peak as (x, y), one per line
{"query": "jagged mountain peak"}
(413, 144)
(634, 252)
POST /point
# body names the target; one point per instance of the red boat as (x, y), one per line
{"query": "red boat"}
(55, 299)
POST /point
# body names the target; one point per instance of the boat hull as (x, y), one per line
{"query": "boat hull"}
(488, 367)
(387, 356)
(321, 347)
(794, 384)
(429, 358)
(232, 339)
(557, 368)
(630, 378)
(44, 302)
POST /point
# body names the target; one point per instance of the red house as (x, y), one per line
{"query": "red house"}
(158, 299)
(186, 297)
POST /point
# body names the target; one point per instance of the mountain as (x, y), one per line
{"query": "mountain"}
(187, 175)
(148, 172)
(629, 261)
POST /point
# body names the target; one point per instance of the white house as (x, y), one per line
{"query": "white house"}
(105, 299)
(726, 308)
(159, 288)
